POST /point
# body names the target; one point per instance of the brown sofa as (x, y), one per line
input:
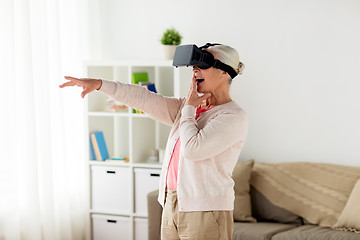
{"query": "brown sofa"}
(266, 221)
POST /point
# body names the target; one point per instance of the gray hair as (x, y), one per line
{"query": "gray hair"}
(229, 56)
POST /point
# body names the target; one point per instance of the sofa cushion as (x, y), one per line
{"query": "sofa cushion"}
(315, 191)
(264, 211)
(242, 204)
(312, 232)
(258, 231)
(154, 215)
(349, 219)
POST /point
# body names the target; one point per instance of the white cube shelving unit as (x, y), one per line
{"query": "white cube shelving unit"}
(117, 191)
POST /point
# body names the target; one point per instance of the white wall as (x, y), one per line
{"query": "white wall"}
(301, 83)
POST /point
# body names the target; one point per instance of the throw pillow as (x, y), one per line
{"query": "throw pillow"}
(242, 204)
(349, 219)
(264, 211)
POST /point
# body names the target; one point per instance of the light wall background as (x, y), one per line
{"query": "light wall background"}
(301, 83)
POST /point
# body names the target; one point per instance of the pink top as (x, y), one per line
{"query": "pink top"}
(171, 180)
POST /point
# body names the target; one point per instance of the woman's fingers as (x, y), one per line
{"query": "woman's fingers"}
(67, 84)
(72, 82)
(86, 91)
(193, 88)
(193, 84)
(71, 78)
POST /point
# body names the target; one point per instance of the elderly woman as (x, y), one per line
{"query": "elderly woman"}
(208, 133)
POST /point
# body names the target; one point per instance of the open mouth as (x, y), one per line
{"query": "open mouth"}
(200, 80)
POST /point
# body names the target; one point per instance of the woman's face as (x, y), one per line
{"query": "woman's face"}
(208, 80)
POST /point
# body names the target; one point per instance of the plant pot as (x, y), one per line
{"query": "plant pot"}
(169, 51)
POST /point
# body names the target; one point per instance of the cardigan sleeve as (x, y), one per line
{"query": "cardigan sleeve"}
(161, 108)
(220, 133)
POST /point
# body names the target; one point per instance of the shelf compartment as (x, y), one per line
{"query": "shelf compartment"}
(143, 139)
(121, 138)
(97, 100)
(102, 72)
(99, 105)
(104, 124)
(149, 70)
(164, 80)
(121, 74)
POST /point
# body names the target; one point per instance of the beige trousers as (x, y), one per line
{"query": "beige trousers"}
(216, 225)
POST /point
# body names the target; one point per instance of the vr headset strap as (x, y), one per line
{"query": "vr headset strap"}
(207, 45)
(222, 66)
(218, 64)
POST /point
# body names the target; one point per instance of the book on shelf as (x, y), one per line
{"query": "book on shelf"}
(150, 86)
(98, 146)
(118, 159)
(91, 148)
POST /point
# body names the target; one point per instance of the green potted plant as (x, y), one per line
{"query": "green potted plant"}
(171, 39)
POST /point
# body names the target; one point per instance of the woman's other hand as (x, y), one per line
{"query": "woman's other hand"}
(193, 97)
(88, 84)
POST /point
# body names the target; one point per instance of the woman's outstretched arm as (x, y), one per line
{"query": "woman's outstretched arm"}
(163, 109)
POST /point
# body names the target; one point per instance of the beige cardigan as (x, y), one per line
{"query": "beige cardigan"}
(210, 145)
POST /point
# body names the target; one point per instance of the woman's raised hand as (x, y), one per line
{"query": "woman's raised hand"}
(88, 84)
(193, 97)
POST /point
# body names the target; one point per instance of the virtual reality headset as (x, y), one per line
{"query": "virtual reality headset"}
(191, 55)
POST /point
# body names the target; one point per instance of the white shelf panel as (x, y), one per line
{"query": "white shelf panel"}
(128, 63)
(147, 165)
(140, 115)
(92, 211)
(108, 114)
(125, 214)
(111, 163)
(140, 215)
(126, 164)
